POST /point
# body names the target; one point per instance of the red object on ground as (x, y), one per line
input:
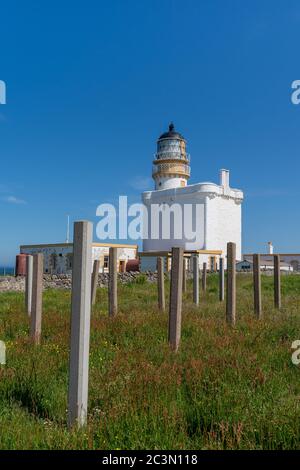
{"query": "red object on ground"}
(21, 265)
(133, 265)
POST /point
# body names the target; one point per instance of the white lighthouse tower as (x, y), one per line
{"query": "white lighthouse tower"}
(171, 166)
(215, 210)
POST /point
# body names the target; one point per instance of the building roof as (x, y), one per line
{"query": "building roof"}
(264, 262)
(47, 245)
(273, 254)
(186, 253)
(171, 133)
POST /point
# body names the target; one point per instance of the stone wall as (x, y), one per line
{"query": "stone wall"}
(64, 281)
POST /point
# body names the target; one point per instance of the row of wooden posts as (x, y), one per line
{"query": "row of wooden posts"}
(84, 286)
(178, 279)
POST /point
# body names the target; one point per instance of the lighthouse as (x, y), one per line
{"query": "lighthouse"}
(171, 166)
(203, 216)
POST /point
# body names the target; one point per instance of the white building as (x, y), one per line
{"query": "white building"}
(216, 211)
(265, 265)
(289, 259)
(58, 257)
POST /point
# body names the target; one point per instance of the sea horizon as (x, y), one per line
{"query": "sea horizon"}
(6, 270)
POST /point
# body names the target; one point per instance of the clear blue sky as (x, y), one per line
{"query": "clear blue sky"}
(92, 84)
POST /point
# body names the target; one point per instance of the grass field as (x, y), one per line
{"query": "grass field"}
(225, 388)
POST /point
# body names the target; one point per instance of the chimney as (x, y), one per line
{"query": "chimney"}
(224, 180)
(271, 248)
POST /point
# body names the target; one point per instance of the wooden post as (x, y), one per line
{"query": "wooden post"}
(257, 285)
(221, 280)
(113, 280)
(277, 284)
(161, 284)
(231, 284)
(96, 267)
(80, 324)
(28, 284)
(196, 279)
(184, 276)
(37, 298)
(175, 299)
(204, 277)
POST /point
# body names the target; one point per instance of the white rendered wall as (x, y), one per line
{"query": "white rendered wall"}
(220, 220)
(169, 197)
(123, 253)
(62, 252)
(166, 182)
(224, 224)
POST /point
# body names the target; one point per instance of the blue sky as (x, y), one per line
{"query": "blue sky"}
(92, 84)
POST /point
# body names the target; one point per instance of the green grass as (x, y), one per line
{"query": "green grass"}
(226, 388)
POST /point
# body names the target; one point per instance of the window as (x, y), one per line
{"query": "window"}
(106, 260)
(122, 266)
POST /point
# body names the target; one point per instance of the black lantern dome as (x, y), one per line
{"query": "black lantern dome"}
(171, 133)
